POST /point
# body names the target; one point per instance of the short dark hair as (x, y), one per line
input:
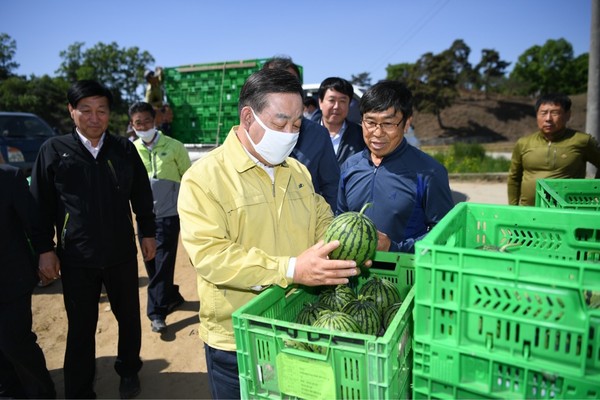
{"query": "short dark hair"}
(283, 62)
(266, 81)
(554, 98)
(311, 101)
(385, 94)
(141, 106)
(338, 84)
(88, 88)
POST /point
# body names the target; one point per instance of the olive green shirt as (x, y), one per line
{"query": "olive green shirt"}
(535, 157)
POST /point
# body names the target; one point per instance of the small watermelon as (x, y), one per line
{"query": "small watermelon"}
(337, 320)
(365, 312)
(389, 314)
(357, 235)
(334, 320)
(309, 313)
(384, 292)
(336, 297)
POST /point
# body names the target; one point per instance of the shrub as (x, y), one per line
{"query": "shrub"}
(470, 158)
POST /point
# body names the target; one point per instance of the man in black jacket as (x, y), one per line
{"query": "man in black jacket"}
(23, 371)
(85, 185)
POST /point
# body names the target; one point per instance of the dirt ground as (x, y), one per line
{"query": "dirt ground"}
(174, 365)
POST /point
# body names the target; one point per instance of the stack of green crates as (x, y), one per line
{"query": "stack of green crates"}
(579, 194)
(351, 365)
(204, 98)
(502, 304)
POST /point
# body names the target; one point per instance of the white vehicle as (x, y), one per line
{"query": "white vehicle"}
(312, 89)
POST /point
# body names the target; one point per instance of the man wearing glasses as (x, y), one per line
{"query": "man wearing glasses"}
(408, 189)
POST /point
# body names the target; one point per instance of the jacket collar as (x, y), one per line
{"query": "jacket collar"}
(565, 134)
(396, 153)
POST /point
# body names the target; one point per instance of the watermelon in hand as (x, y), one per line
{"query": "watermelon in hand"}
(357, 235)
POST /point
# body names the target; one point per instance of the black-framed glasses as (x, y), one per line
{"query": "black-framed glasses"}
(387, 127)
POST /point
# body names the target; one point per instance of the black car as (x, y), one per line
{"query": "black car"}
(21, 135)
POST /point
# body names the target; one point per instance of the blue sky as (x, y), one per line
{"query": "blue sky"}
(328, 38)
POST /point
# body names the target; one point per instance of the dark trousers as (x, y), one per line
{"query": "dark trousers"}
(23, 371)
(223, 373)
(81, 289)
(161, 269)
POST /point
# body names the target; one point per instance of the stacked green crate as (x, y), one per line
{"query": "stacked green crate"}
(580, 194)
(273, 351)
(204, 98)
(502, 305)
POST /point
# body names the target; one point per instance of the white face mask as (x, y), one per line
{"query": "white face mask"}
(146, 136)
(274, 146)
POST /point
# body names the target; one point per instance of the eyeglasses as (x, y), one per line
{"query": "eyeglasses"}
(387, 127)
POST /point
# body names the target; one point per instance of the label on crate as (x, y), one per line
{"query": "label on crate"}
(305, 378)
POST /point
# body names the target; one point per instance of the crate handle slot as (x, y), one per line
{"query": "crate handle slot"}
(526, 350)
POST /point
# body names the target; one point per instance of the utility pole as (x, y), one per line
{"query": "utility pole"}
(592, 122)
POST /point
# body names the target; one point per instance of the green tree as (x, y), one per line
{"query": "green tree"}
(465, 75)
(8, 49)
(44, 96)
(548, 68)
(72, 62)
(491, 69)
(434, 83)
(404, 72)
(120, 69)
(362, 79)
(577, 76)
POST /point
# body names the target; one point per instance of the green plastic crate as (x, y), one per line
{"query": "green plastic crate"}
(580, 194)
(204, 98)
(447, 372)
(526, 304)
(353, 366)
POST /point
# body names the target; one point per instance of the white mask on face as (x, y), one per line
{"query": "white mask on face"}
(146, 136)
(274, 146)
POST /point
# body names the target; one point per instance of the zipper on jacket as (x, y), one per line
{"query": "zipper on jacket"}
(153, 164)
(551, 155)
(113, 172)
(63, 232)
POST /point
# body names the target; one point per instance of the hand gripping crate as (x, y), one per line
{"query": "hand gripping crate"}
(352, 366)
(511, 285)
(580, 194)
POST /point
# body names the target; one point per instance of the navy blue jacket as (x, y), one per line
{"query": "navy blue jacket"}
(352, 141)
(409, 192)
(315, 151)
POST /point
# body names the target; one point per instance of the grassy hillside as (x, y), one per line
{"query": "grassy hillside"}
(496, 122)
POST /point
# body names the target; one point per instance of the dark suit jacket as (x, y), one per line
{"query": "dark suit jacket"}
(18, 219)
(352, 141)
(315, 151)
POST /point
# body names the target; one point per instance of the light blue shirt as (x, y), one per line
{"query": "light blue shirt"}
(337, 138)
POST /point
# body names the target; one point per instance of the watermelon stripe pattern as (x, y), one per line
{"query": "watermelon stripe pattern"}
(357, 235)
(309, 313)
(337, 320)
(336, 297)
(365, 313)
(382, 291)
